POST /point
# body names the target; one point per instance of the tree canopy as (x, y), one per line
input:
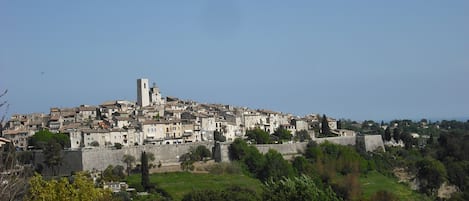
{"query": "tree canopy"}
(42, 137)
(259, 136)
(80, 189)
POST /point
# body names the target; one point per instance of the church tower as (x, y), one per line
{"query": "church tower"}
(143, 92)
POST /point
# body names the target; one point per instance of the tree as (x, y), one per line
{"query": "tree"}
(118, 145)
(259, 136)
(302, 136)
(302, 188)
(283, 134)
(396, 134)
(218, 136)
(325, 130)
(151, 158)
(80, 189)
(53, 157)
(94, 144)
(195, 154)
(275, 167)
(145, 179)
(249, 156)
(302, 166)
(200, 153)
(408, 140)
(42, 137)
(128, 160)
(237, 149)
(113, 173)
(387, 134)
(431, 174)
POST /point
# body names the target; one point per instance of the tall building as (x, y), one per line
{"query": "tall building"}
(143, 93)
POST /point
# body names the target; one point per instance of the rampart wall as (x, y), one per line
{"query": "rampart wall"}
(100, 158)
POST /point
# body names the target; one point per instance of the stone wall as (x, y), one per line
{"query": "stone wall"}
(168, 154)
(99, 159)
(72, 163)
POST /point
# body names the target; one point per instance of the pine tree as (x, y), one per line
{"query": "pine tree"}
(145, 173)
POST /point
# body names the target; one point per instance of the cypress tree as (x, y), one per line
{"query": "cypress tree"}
(325, 126)
(145, 172)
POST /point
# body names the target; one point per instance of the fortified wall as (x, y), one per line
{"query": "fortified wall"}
(100, 158)
(367, 142)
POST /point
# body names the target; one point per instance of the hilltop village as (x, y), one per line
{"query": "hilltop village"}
(155, 119)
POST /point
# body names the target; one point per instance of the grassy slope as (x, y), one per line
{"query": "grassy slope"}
(375, 181)
(179, 183)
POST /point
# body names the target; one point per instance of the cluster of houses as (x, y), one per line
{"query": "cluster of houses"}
(153, 120)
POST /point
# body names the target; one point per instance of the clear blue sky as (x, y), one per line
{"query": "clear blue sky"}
(348, 59)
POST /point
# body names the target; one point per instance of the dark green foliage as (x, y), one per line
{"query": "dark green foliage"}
(302, 136)
(283, 134)
(387, 134)
(42, 137)
(145, 171)
(258, 136)
(325, 130)
(197, 154)
(94, 144)
(431, 174)
(218, 136)
(118, 145)
(396, 134)
(458, 174)
(113, 173)
(254, 161)
(275, 167)
(302, 166)
(270, 165)
(200, 153)
(408, 140)
(298, 189)
(237, 149)
(52, 156)
(233, 193)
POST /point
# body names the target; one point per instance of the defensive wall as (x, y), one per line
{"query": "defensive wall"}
(168, 154)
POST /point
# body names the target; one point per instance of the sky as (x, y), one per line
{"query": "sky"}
(379, 60)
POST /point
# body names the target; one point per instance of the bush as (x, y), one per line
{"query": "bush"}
(297, 188)
(94, 144)
(118, 145)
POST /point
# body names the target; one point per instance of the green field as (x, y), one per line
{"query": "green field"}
(375, 181)
(179, 183)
